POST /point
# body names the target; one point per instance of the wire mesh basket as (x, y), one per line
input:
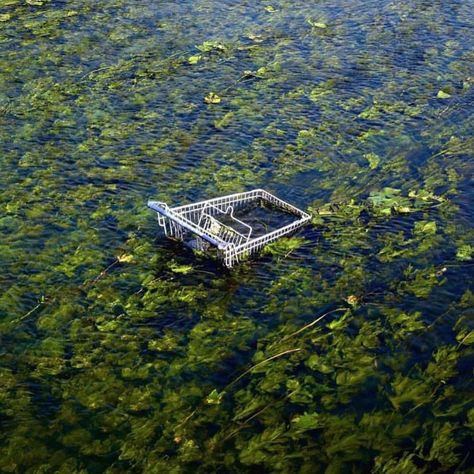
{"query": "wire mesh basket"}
(230, 226)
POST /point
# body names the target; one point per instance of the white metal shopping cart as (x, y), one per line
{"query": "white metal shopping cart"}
(216, 225)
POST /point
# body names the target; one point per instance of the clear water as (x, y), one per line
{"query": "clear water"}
(347, 348)
(257, 219)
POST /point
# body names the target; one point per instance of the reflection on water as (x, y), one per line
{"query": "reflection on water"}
(347, 347)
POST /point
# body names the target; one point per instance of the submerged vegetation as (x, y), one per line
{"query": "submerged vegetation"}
(348, 347)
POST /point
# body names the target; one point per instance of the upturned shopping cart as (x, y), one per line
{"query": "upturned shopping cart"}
(231, 227)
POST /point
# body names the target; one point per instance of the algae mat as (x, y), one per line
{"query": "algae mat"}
(345, 348)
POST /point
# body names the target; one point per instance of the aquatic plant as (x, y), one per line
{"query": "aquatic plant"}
(347, 347)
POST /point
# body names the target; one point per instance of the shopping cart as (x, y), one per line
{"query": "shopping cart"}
(218, 226)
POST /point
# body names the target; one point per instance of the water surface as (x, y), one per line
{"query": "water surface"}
(347, 348)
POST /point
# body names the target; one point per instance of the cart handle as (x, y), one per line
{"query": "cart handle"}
(163, 209)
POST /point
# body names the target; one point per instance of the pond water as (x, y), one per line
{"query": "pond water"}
(347, 347)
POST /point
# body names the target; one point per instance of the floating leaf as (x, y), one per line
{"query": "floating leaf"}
(353, 300)
(212, 98)
(464, 252)
(255, 38)
(183, 269)
(373, 160)
(124, 258)
(465, 336)
(425, 227)
(443, 95)
(210, 46)
(140, 344)
(386, 195)
(317, 23)
(214, 398)
(194, 59)
(389, 200)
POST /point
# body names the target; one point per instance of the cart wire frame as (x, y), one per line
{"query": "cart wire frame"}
(232, 244)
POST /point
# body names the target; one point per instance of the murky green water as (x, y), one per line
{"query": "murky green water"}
(346, 348)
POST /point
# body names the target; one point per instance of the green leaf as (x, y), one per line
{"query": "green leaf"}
(125, 258)
(387, 196)
(214, 398)
(464, 252)
(315, 362)
(194, 59)
(284, 245)
(210, 46)
(409, 390)
(307, 421)
(224, 121)
(465, 337)
(341, 322)
(212, 98)
(317, 23)
(445, 446)
(183, 269)
(443, 95)
(425, 227)
(373, 160)
(321, 90)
